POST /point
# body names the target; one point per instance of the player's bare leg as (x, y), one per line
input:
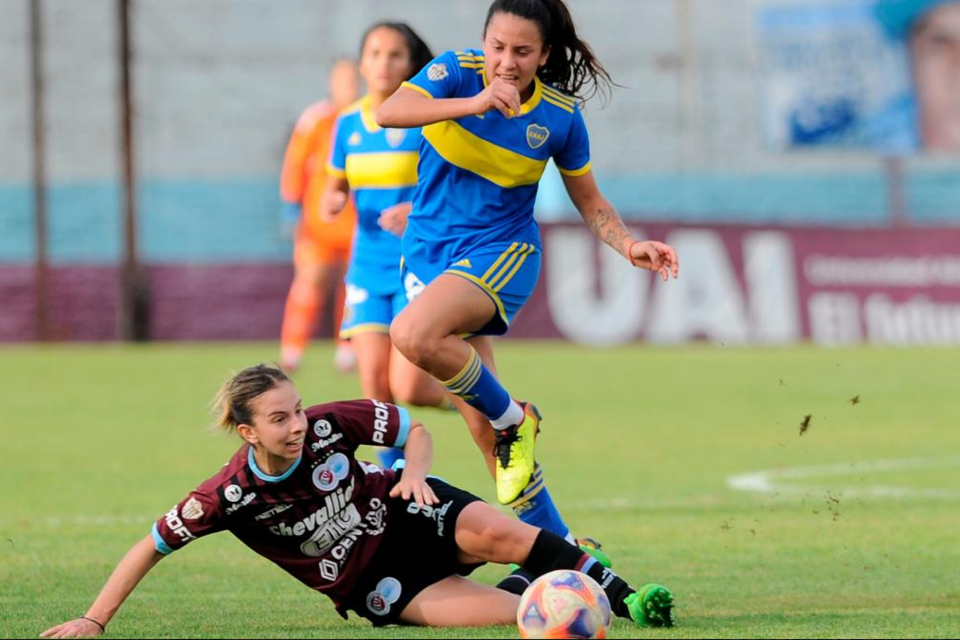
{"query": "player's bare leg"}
(428, 332)
(485, 534)
(373, 362)
(459, 602)
(303, 307)
(412, 385)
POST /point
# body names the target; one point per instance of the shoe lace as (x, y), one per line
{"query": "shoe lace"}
(504, 441)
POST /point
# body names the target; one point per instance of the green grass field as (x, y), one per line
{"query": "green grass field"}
(638, 446)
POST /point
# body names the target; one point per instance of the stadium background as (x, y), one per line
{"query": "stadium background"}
(778, 246)
(794, 491)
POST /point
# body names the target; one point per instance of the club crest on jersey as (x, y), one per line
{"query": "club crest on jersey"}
(328, 475)
(537, 135)
(395, 137)
(354, 139)
(437, 72)
(192, 510)
(387, 592)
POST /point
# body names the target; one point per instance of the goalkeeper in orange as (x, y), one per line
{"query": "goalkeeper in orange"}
(321, 247)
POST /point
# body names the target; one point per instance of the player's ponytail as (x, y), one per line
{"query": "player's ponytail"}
(232, 403)
(572, 65)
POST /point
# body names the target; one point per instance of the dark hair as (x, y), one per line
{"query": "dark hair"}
(232, 404)
(420, 54)
(572, 63)
(901, 17)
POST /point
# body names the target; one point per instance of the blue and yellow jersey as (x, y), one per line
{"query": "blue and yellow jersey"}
(479, 174)
(381, 167)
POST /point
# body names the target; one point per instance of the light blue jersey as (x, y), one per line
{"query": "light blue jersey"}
(380, 166)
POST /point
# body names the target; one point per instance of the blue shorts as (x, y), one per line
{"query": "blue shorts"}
(366, 312)
(506, 272)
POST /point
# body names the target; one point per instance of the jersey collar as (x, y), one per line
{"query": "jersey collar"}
(268, 478)
(367, 116)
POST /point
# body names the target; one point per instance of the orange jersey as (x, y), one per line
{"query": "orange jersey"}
(303, 178)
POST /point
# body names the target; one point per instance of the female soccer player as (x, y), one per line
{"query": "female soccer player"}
(379, 168)
(321, 247)
(391, 546)
(491, 120)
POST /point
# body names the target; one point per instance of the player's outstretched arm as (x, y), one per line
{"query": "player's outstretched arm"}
(136, 564)
(418, 452)
(606, 224)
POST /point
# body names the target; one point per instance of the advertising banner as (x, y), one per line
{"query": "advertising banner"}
(743, 285)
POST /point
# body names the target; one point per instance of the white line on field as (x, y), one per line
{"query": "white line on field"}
(771, 481)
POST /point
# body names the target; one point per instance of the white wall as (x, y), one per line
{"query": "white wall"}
(218, 83)
(15, 136)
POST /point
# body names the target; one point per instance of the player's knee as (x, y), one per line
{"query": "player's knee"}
(400, 334)
(414, 341)
(506, 543)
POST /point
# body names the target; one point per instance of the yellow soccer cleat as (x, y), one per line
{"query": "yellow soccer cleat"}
(514, 454)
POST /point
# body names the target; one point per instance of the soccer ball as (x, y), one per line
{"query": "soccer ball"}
(564, 604)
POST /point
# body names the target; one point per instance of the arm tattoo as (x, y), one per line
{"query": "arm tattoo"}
(606, 224)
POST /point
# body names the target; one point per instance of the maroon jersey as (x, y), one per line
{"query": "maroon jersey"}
(323, 519)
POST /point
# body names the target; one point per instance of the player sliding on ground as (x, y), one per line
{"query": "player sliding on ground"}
(391, 546)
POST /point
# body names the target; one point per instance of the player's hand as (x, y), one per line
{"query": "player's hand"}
(499, 95)
(394, 219)
(655, 256)
(332, 202)
(416, 487)
(79, 628)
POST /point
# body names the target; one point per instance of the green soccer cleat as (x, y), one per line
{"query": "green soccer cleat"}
(514, 454)
(652, 606)
(595, 550)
